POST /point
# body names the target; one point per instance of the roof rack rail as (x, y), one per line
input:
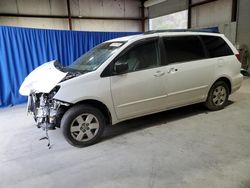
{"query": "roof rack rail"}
(207, 30)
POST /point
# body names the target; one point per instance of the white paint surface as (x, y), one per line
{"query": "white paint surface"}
(127, 95)
(42, 79)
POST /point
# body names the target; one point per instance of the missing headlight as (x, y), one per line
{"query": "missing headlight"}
(53, 92)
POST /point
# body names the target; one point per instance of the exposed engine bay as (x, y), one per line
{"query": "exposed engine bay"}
(46, 110)
(41, 85)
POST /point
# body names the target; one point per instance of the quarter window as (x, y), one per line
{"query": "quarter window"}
(183, 48)
(216, 46)
(141, 56)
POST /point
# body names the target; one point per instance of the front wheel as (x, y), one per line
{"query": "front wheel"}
(218, 96)
(83, 125)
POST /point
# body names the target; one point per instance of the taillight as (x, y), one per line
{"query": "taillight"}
(238, 57)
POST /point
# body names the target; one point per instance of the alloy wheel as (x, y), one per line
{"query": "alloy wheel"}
(84, 127)
(219, 95)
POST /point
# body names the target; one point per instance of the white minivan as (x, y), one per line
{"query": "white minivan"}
(130, 77)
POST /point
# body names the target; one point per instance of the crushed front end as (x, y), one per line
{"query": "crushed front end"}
(47, 112)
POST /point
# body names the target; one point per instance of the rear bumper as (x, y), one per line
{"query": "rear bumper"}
(236, 83)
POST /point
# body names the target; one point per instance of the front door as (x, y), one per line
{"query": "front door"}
(141, 90)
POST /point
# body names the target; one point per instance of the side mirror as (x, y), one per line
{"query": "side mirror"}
(120, 68)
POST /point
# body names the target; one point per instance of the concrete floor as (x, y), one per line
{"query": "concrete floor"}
(187, 147)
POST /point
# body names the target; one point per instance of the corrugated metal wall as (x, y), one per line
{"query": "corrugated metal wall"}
(167, 7)
(243, 26)
(90, 8)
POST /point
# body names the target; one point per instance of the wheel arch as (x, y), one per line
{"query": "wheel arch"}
(99, 105)
(226, 80)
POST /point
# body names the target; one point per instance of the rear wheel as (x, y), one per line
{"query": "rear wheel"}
(218, 96)
(83, 125)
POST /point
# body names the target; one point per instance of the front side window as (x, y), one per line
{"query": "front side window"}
(142, 56)
(94, 58)
(183, 48)
(216, 46)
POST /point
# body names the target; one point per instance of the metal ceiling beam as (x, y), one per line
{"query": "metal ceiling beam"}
(201, 3)
(189, 14)
(69, 15)
(142, 16)
(150, 3)
(234, 10)
(72, 17)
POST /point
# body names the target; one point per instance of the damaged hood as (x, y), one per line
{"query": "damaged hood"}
(43, 79)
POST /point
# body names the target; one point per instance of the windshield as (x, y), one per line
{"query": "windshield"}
(91, 60)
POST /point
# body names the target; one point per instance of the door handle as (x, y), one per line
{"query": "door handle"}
(159, 73)
(172, 70)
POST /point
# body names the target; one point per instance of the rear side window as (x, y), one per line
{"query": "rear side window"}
(183, 48)
(216, 46)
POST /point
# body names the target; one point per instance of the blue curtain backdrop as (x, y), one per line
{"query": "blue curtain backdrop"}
(23, 49)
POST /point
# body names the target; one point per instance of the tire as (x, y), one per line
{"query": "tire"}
(218, 96)
(83, 125)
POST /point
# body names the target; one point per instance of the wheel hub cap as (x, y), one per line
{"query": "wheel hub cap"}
(219, 95)
(84, 127)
